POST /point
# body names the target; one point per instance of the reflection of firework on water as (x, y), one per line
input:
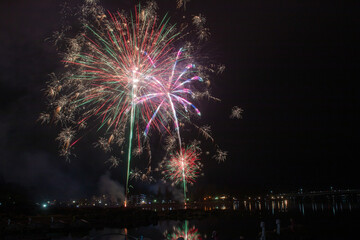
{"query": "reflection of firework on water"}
(220, 155)
(184, 165)
(183, 232)
(236, 112)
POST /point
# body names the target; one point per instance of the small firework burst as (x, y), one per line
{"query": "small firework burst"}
(196, 146)
(44, 118)
(182, 3)
(113, 162)
(199, 20)
(202, 31)
(206, 131)
(65, 138)
(104, 144)
(221, 68)
(138, 151)
(170, 142)
(204, 34)
(236, 112)
(220, 155)
(183, 166)
(137, 174)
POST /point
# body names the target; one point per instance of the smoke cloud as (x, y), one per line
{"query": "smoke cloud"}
(177, 194)
(111, 187)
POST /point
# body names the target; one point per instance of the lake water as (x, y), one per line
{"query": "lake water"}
(326, 219)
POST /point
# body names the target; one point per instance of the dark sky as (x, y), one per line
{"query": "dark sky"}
(291, 65)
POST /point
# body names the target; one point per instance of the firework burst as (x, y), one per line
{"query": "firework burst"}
(220, 155)
(184, 166)
(113, 162)
(236, 112)
(127, 75)
(116, 60)
(109, 65)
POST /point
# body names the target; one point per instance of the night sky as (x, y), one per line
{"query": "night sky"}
(291, 65)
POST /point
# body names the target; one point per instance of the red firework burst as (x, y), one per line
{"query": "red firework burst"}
(184, 165)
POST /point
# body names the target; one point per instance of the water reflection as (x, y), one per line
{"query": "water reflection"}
(300, 206)
(302, 209)
(230, 225)
(236, 205)
(184, 232)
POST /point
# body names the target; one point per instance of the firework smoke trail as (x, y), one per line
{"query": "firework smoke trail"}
(132, 120)
(130, 136)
